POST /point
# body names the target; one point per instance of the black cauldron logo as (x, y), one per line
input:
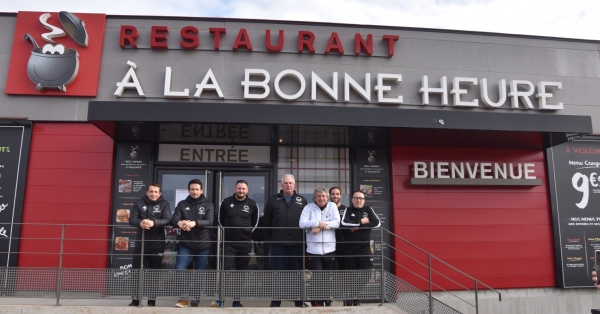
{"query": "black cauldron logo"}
(55, 66)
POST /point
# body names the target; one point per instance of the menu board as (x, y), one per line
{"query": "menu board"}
(133, 173)
(574, 175)
(14, 153)
(372, 178)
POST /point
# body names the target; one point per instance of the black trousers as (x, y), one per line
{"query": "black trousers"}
(238, 252)
(152, 260)
(322, 262)
(358, 258)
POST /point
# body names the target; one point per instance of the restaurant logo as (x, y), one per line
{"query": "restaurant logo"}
(68, 64)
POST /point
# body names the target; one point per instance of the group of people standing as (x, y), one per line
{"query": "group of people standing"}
(333, 231)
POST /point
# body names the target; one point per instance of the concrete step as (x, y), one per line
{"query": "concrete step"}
(111, 306)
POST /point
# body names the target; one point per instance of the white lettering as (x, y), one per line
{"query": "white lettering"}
(129, 81)
(542, 95)
(457, 91)
(485, 97)
(486, 168)
(173, 94)
(213, 85)
(381, 89)
(528, 169)
(290, 73)
(420, 169)
(331, 91)
(365, 93)
(264, 85)
(515, 94)
(426, 90)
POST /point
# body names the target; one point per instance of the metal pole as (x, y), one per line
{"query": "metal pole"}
(141, 273)
(60, 263)
(430, 284)
(476, 299)
(304, 272)
(381, 276)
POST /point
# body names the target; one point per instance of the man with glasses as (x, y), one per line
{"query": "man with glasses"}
(357, 222)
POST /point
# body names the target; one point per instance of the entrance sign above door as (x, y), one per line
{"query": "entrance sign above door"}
(214, 153)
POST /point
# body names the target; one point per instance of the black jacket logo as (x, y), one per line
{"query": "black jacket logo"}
(246, 209)
(201, 211)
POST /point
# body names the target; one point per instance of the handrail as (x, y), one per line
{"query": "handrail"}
(65, 251)
(454, 268)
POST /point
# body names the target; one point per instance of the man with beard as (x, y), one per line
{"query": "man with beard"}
(283, 212)
(240, 213)
(150, 215)
(335, 195)
(319, 218)
(194, 216)
(357, 222)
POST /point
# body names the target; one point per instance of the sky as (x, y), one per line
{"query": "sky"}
(568, 19)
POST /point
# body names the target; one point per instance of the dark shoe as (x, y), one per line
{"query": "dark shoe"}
(237, 304)
(298, 303)
(151, 302)
(194, 303)
(356, 303)
(328, 303)
(347, 302)
(317, 304)
(134, 303)
(275, 303)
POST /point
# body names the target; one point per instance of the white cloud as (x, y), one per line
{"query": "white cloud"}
(573, 19)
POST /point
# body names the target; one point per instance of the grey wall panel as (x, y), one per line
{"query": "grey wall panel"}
(575, 63)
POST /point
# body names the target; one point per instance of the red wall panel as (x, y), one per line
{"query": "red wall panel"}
(500, 235)
(68, 182)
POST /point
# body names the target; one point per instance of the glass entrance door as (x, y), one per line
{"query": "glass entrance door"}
(216, 185)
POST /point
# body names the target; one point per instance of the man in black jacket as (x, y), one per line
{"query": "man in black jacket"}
(194, 216)
(150, 215)
(240, 214)
(283, 211)
(357, 222)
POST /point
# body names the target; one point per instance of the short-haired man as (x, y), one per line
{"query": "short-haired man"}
(194, 216)
(240, 214)
(357, 222)
(283, 212)
(319, 219)
(150, 214)
(335, 195)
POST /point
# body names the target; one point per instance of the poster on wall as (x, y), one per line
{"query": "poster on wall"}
(14, 153)
(575, 194)
(372, 178)
(133, 173)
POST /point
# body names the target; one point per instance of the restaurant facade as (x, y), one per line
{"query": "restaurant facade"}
(480, 148)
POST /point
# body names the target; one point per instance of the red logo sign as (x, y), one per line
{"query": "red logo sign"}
(56, 54)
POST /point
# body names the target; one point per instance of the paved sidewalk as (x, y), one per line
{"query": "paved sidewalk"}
(112, 306)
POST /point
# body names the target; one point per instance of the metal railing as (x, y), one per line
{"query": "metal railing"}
(410, 289)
